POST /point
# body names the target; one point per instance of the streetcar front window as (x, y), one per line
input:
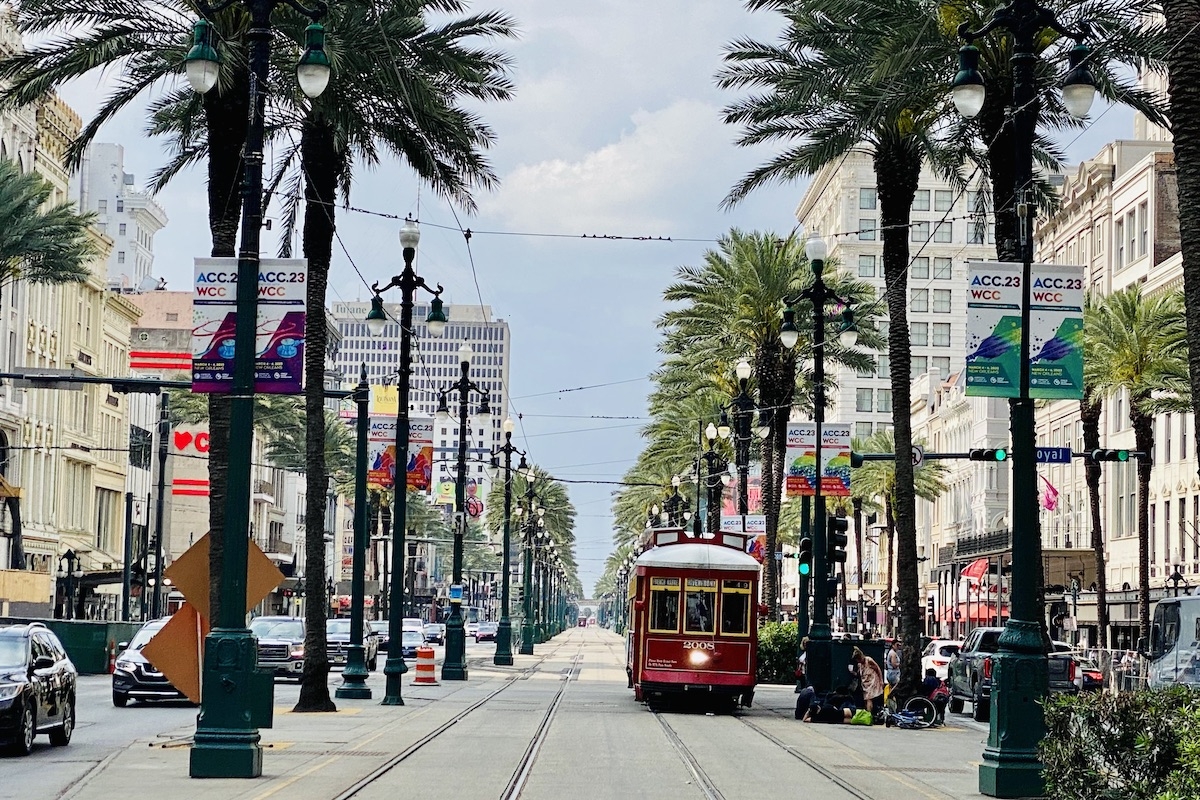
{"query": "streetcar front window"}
(701, 603)
(735, 608)
(664, 605)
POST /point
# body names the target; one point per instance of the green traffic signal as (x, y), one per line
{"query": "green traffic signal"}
(995, 454)
(1110, 455)
(805, 557)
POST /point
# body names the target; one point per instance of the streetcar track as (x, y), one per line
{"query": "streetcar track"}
(810, 762)
(520, 776)
(413, 748)
(711, 792)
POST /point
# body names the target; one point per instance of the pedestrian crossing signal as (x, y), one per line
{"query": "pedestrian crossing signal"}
(996, 454)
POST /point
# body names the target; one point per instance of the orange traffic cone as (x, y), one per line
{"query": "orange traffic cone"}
(112, 657)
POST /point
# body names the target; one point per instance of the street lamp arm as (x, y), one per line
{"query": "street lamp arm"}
(316, 14)
(1023, 20)
(397, 282)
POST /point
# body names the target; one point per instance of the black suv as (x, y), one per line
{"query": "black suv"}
(970, 672)
(37, 687)
(134, 677)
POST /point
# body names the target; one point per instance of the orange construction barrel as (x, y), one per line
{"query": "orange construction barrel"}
(426, 673)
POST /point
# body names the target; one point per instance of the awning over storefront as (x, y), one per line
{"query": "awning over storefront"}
(973, 612)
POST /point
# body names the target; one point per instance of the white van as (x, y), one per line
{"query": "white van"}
(412, 624)
(1174, 650)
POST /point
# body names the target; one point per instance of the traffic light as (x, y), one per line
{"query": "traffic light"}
(997, 454)
(836, 539)
(1110, 455)
(805, 556)
(929, 605)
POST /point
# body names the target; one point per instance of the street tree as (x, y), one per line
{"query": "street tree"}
(1133, 340)
(40, 242)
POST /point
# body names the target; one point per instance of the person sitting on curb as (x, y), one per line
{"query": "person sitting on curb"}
(836, 708)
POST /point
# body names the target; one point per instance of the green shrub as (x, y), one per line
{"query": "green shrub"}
(1141, 745)
(777, 652)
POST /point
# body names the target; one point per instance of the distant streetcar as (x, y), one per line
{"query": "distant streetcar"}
(693, 618)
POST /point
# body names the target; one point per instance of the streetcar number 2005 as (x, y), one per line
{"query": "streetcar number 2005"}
(699, 646)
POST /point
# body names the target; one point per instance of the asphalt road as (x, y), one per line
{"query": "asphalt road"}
(102, 729)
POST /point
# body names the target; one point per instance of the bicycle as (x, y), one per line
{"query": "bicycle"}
(918, 713)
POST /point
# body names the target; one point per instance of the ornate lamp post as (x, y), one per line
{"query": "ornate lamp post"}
(70, 570)
(377, 321)
(227, 742)
(531, 513)
(454, 668)
(1011, 767)
(354, 676)
(819, 659)
(743, 408)
(504, 655)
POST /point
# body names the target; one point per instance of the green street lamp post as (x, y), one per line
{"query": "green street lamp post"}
(226, 743)
(530, 513)
(354, 676)
(819, 661)
(454, 667)
(1011, 766)
(377, 322)
(504, 654)
(743, 409)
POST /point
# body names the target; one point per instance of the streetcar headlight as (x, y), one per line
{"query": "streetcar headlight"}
(698, 658)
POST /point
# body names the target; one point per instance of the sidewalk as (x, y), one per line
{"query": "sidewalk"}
(565, 721)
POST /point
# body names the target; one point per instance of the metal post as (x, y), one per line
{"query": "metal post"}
(527, 578)
(819, 663)
(454, 667)
(354, 676)
(504, 656)
(805, 582)
(226, 743)
(127, 568)
(164, 434)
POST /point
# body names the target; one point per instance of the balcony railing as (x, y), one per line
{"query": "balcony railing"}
(983, 544)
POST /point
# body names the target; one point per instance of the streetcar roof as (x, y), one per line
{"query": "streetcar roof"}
(695, 555)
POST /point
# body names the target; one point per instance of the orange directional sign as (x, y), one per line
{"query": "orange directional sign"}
(177, 650)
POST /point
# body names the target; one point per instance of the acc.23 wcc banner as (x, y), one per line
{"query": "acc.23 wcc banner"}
(279, 331)
(994, 299)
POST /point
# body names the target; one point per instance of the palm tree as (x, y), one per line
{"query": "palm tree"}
(731, 309)
(834, 87)
(1132, 341)
(1183, 63)
(40, 244)
(1090, 407)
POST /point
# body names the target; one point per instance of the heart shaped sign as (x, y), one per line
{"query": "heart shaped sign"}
(182, 439)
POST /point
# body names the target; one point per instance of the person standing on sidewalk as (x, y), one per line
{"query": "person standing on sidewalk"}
(870, 677)
(892, 658)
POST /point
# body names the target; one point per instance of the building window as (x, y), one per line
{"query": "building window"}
(866, 230)
(918, 366)
(172, 316)
(862, 430)
(866, 198)
(942, 365)
(864, 399)
(920, 300)
(920, 268)
(941, 301)
(943, 269)
(943, 200)
(885, 400)
(867, 371)
(920, 231)
(120, 204)
(941, 334)
(976, 202)
(975, 231)
(1131, 235)
(944, 232)
(1143, 218)
(1119, 237)
(120, 256)
(102, 206)
(121, 229)
(884, 367)
(866, 266)
(918, 333)
(921, 200)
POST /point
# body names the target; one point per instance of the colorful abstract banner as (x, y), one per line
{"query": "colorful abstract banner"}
(1056, 332)
(279, 340)
(993, 329)
(801, 459)
(381, 453)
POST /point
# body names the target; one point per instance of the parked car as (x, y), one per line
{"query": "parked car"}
(37, 687)
(382, 634)
(337, 643)
(134, 677)
(412, 624)
(1092, 676)
(472, 628)
(970, 672)
(280, 645)
(434, 632)
(409, 643)
(486, 632)
(937, 655)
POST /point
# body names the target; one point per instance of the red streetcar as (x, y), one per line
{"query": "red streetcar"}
(693, 624)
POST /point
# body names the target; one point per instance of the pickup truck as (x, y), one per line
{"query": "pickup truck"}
(970, 672)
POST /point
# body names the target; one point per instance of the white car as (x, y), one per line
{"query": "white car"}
(937, 656)
(472, 628)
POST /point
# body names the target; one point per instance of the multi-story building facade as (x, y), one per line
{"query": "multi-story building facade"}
(127, 216)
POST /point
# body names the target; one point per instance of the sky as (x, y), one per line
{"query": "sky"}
(615, 130)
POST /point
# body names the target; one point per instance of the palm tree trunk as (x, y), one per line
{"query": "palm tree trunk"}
(225, 114)
(857, 504)
(775, 374)
(1184, 87)
(1089, 414)
(1143, 437)
(889, 599)
(320, 163)
(897, 173)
